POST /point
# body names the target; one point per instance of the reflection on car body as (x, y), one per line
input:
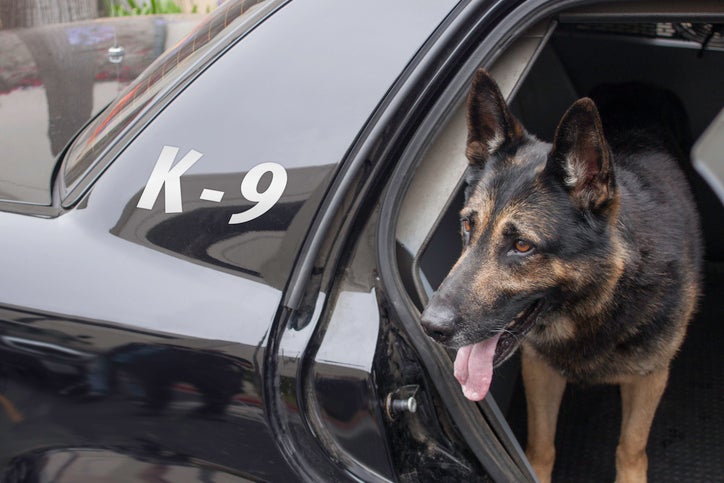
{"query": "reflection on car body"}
(146, 331)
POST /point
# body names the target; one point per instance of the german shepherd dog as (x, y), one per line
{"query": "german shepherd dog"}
(586, 252)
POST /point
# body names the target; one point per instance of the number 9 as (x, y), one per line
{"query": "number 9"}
(266, 199)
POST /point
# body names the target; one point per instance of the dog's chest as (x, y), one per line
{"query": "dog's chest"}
(578, 354)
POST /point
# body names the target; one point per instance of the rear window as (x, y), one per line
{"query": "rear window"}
(234, 18)
(56, 77)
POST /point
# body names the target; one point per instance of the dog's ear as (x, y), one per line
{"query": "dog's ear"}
(491, 126)
(580, 157)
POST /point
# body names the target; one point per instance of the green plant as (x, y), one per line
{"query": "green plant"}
(121, 8)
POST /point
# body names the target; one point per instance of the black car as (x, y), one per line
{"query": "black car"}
(219, 277)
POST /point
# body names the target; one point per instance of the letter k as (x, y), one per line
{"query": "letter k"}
(164, 176)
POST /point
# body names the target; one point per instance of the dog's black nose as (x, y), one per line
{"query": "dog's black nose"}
(438, 321)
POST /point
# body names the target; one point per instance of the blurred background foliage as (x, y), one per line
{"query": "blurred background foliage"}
(31, 13)
(118, 8)
(149, 7)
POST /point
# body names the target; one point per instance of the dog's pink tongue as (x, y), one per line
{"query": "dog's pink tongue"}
(474, 368)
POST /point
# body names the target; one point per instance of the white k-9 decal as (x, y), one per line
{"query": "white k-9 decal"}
(167, 176)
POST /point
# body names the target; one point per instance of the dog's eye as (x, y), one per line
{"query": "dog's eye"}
(465, 226)
(522, 246)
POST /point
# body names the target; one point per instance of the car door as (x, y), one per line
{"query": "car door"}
(541, 69)
(141, 328)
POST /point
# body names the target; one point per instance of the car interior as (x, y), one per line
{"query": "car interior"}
(543, 72)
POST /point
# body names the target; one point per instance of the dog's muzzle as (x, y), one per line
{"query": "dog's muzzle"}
(439, 321)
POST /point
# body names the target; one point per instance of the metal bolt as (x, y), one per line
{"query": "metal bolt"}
(401, 405)
(401, 400)
(396, 407)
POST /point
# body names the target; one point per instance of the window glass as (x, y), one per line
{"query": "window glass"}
(235, 16)
(54, 78)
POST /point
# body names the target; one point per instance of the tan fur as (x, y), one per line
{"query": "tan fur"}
(562, 329)
(640, 396)
(604, 275)
(544, 389)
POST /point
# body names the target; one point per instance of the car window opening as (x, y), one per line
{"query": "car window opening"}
(541, 74)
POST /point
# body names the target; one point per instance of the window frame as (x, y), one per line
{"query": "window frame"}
(403, 307)
(486, 431)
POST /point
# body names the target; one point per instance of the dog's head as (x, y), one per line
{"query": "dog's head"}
(534, 225)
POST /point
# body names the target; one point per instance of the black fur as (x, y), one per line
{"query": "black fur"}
(625, 219)
(587, 251)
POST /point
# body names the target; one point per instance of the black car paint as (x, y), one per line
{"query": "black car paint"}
(112, 325)
(126, 339)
